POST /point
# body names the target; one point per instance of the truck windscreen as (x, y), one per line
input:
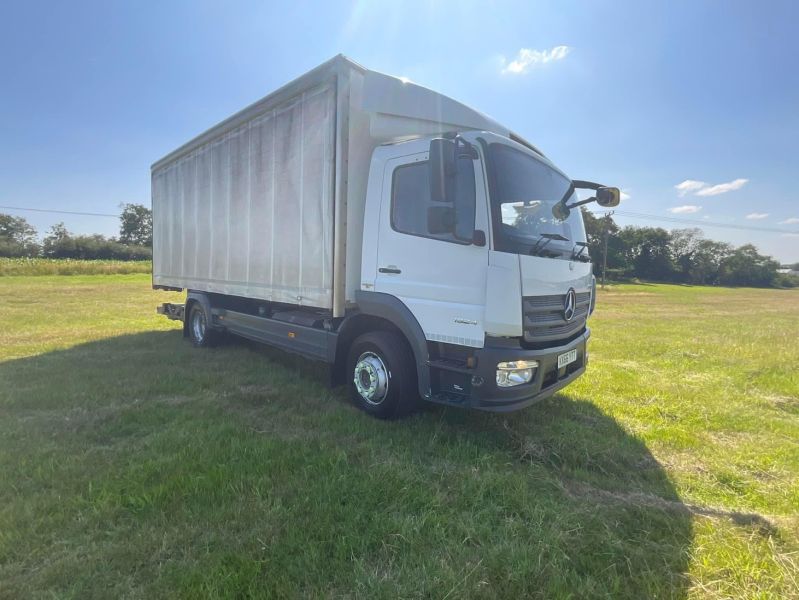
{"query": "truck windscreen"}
(523, 193)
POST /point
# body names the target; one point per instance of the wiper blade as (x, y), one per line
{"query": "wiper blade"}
(577, 254)
(543, 240)
(553, 236)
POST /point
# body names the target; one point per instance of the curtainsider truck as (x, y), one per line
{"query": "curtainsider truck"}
(421, 249)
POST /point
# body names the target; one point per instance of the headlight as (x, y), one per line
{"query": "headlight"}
(516, 372)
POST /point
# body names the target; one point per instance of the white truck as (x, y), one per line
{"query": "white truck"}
(420, 248)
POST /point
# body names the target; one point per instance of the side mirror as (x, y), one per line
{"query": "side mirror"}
(452, 181)
(442, 170)
(441, 219)
(560, 211)
(608, 197)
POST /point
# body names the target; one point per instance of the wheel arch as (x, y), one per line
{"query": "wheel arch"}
(376, 312)
(193, 298)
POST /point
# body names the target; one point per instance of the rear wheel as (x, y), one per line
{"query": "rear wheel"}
(200, 332)
(382, 375)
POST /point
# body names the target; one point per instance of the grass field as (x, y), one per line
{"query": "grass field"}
(133, 465)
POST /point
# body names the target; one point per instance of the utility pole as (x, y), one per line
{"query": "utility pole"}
(605, 250)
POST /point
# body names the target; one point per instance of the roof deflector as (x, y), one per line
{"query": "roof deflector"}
(520, 140)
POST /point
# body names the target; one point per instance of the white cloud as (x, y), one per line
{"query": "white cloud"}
(790, 221)
(790, 235)
(722, 188)
(700, 188)
(685, 209)
(756, 216)
(688, 186)
(527, 59)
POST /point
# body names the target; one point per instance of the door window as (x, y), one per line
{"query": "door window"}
(410, 202)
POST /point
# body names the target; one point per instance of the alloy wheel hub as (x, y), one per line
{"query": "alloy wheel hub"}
(371, 378)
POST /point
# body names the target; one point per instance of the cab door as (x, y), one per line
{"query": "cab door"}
(439, 275)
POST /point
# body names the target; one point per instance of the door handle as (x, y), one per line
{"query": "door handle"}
(393, 270)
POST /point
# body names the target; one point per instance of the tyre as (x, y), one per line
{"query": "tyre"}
(200, 332)
(382, 375)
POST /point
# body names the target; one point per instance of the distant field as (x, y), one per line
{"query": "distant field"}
(133, 465)
(66, 266)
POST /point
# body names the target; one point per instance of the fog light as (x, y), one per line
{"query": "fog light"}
(515, 372)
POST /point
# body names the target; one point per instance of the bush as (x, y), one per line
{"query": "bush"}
(50, 266)
(13, 249)
(62, 244)
(785, 280)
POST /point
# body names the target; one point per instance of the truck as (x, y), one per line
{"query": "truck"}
(418, 247)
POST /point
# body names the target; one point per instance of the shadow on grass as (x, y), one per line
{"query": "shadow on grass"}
(556, 500)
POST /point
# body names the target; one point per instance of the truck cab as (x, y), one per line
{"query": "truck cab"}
(500, 287)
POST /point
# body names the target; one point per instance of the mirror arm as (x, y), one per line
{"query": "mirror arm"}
(586, 185)
(580, 185)
(468, 150)
(606, 197)
(581, 202)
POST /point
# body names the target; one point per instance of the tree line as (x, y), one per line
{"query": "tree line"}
(18, 238)
(680, 255)
(648, 253)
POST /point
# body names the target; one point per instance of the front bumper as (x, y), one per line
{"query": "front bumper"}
(483, 393)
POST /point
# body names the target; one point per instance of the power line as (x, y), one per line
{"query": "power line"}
(699, 222)
(621, 213)
(61, 212)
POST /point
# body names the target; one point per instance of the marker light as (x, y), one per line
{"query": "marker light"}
(515, 372)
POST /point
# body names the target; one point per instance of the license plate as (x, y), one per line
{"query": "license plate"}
(567, 358)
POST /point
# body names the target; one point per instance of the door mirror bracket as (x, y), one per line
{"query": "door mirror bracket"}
(606, 197)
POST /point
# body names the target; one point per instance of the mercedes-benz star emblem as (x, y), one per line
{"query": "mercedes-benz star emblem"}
(569, 304)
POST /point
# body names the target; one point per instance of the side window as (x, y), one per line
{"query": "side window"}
(410, 201)
(410, 198)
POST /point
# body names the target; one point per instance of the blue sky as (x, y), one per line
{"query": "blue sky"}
(643, 95)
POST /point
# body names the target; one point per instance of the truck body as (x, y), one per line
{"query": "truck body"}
(402, 237)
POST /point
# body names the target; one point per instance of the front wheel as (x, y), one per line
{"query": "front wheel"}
(382, 375)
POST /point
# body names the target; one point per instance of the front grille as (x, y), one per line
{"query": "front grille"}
(544, 321)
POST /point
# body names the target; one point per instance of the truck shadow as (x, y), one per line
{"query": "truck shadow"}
(621, 521)
(588, 494)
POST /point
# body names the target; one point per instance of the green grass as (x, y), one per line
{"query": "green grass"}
(132, 465)
(68, 266)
